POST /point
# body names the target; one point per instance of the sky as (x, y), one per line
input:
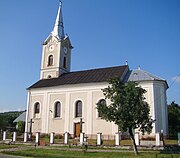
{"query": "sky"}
(104, 33)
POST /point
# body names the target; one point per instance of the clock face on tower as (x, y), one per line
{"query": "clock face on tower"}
(65, 50)
(51, 48)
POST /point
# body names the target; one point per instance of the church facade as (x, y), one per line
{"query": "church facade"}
(61, 98)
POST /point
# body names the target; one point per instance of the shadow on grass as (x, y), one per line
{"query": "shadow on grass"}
(171, 149)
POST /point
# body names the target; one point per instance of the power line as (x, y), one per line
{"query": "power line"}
(174, 80)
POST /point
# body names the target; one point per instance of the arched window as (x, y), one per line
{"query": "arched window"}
(57, 109)
(37, 108)
(50, 60)
(101, 102)
(64, 62)
(78, 109)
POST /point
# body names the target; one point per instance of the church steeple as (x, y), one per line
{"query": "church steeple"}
(56, 52)
(58, 30)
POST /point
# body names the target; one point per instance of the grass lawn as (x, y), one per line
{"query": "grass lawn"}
(6, 146)
(53, 153)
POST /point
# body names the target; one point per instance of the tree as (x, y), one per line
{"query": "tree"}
(174, 119)
(127, 109)
(7, 118)
(20, 126)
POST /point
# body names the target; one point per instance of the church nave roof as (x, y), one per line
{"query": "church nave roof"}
(87, 76)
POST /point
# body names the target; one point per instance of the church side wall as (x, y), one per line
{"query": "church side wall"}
(89, 94)
(68, 96)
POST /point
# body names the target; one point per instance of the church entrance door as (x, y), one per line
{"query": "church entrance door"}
(76, 129)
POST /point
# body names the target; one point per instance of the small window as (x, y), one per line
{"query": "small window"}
(37, 108)
(50, 60)
(78, 109)
(64, 62)
(102, 102)
(57, 109)
(49, 76)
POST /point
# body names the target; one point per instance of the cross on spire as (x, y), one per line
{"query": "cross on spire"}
(60, 2)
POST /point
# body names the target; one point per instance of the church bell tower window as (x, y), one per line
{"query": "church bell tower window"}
(50, 60)
(64, 62)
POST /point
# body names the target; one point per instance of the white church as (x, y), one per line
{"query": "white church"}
(61, 98)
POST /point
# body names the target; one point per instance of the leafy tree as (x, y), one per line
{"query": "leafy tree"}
(174, 119)
(20, 126)
(7, 118)
(127, 109)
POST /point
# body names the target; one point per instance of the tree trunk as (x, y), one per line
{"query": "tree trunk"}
(133, 141)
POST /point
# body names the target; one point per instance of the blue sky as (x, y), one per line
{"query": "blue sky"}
(104, 33)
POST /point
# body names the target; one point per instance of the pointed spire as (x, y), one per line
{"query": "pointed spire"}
(58, 30)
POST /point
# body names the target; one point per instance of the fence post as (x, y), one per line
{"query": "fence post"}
(37, 138)
(99, 138)
(4, 135)
(66, 138)
(137, 139)
(52, 138)
(158, 142)
(14, 136)
(25, 137)
(117, 139)
(81, 138)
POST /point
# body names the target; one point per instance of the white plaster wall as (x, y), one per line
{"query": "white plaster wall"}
(89, 94)
(37, 125)
(99, 125)
(156, 98)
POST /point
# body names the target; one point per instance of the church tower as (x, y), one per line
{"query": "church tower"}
(56, 51)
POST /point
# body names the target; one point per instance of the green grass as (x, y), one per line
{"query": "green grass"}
(171, 142)
(53, 153)
(6, 146)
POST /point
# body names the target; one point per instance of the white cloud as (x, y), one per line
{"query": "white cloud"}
(176, 79)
